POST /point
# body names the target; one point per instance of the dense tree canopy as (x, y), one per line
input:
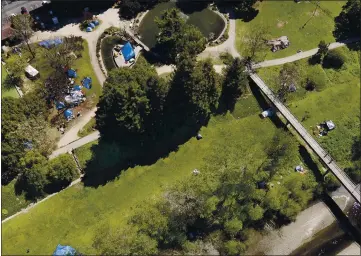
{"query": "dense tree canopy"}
(22, 27)
(125, 104)
(176, 37)
(347, 24)
(235, 83)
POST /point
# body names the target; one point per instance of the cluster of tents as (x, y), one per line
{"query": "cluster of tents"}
(51, 43)
(75, 95)
(92, 25)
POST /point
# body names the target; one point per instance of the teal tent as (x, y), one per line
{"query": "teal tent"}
(64, 250)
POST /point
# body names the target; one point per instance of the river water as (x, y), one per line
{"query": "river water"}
(304, 237)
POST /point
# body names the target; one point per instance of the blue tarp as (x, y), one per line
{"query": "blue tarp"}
(128, 51)
(71, 73)
(89, 29)
(68, 113)
(77, 87)
(60, 105)
(92, 25)
(87, 82)
(64, 250)
(50, 43)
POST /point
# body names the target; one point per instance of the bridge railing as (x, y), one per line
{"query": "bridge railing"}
(304, 133)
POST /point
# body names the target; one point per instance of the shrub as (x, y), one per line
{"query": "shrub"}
(316, 79)
(226, 57)
(334, 59)
(61, 172)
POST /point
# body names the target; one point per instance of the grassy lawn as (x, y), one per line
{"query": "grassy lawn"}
(11, 203)
(7, 92)
(285, 18)
(76, 213)
(88, 128)
(339, 102)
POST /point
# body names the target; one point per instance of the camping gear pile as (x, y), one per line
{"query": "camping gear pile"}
(92, 25)
(75, 94)
(128, 52)
(325, 127)
(51, 43)
(64, 250)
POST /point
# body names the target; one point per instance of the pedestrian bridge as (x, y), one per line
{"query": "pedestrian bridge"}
(351, 187)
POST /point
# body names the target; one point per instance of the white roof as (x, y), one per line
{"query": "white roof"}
(31, 70)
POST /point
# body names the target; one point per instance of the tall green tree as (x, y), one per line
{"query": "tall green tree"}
(176, 37)
(22, 27)
(235, 83)
(62, 171)
(347, 24)
(255, 44)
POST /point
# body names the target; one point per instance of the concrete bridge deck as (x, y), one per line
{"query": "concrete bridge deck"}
(351, 187)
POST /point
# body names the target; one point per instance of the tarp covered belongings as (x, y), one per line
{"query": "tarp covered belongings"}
(89, 29)
(50, 43)
(87, 82)
(60, 105)
(71, 73)
(64, 250)
(68, 113)
(31, 71)
(128, 51)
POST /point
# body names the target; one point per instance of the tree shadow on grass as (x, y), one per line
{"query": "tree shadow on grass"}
(110, 158)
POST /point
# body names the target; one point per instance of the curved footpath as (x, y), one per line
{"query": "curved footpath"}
(109, 18)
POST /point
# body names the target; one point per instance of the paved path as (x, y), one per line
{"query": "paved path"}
(75, 144)
(301, 55)
(352, 188)
(227, 46)
(109, 18)
(353, 249)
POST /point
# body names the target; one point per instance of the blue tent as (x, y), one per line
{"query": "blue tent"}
(128, 51)
(89, 29)
(68, 113)
(64, 250)
(50, 43)
(87, 82)
(71, 73)
(92, 25)
(77, 87)
(60, 105)
(96, 22)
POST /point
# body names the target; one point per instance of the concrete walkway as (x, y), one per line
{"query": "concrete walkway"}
(108, 18)
(75, 144)
(301, 55)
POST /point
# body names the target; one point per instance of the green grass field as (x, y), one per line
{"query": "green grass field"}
(285, 18)
(11, 203)
(339, 102)
(7, 92)
(73, 216)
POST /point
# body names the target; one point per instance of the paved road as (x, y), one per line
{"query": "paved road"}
(76, 144)
(352, 188)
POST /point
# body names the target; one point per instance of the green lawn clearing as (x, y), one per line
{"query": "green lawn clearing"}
(4, 91)
(286, 18)
(76, 213)
(339, 102)
(11, 203)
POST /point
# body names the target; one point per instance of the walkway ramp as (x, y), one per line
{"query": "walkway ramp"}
(351, 187)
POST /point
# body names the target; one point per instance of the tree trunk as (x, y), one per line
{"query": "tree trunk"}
(31, 51)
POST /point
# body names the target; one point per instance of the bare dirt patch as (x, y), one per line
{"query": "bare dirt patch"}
(280, 23)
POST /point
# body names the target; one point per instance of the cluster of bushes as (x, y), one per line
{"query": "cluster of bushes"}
(40, 176)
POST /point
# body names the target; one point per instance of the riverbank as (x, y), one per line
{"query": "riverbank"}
(309, 222)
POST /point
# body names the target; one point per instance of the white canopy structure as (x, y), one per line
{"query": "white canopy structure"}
(31, 71)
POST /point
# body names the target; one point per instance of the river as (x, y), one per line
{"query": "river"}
(291, 238)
